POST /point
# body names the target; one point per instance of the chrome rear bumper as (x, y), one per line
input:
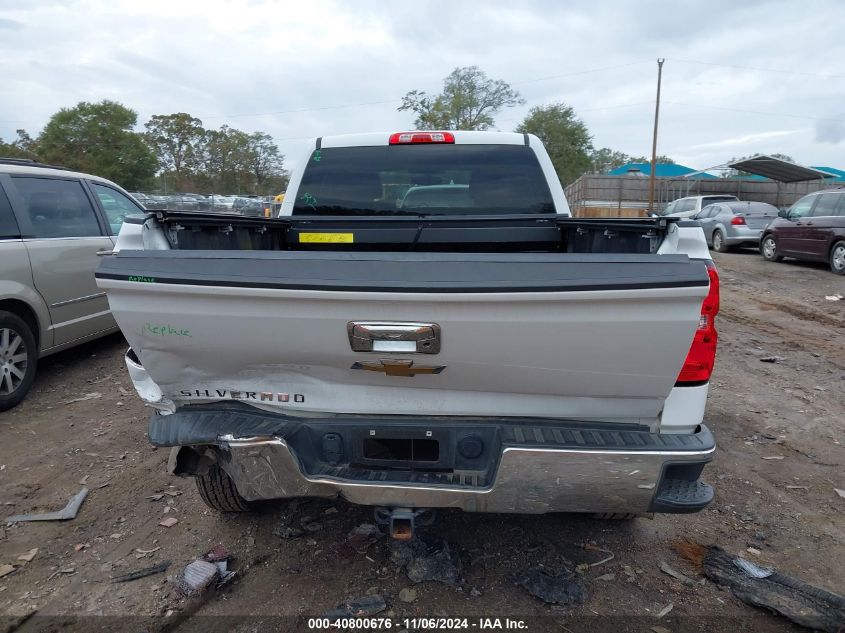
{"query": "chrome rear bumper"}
(528, 480)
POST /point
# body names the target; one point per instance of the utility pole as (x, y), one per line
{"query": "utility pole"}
(651, 177)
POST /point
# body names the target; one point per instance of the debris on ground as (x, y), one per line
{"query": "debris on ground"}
(840, 492)
(197, 577)
(773, 457)
(792, 598)
(665, 610)
(88, 396)
(772, 359)
(216, 554)
(168, 522)
(68, 512)
(287, 531)
(563, 587)
(606, 577)
(667, 569)
(359, 540)
(593, 548)
(28, 556)
(143, 573)
(836, 297)
(5, 570)
(427, 560)
(155, 497)
(359, 607)
(408, 594)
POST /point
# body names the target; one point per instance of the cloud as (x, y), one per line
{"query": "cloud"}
(298, 70)
(830, 131)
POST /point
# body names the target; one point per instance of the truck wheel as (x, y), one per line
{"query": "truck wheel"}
(219, 493)
(719, 242)
(769, 249)
(18, 359)
(837, 258)
(614, 516)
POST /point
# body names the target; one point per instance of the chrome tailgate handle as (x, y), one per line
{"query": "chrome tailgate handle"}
(394, 336)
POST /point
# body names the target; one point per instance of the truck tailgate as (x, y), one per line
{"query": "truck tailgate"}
(583, 336)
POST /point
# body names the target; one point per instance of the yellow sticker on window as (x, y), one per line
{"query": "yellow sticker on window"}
(326, 238)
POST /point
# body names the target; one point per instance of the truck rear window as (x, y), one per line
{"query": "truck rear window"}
(423, 180)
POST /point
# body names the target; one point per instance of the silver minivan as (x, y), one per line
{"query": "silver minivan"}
(53, 225)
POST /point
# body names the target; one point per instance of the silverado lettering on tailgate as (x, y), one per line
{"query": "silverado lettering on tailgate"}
(233, 394)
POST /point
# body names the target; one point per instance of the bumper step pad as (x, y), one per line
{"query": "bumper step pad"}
(679, 496)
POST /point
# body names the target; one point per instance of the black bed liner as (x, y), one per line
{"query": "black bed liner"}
(468, 233)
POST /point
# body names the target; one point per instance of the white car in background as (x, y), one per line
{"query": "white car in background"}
(692, 205)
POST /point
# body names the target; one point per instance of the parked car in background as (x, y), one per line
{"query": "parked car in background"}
(248, 206)
(53, 225)
(812, 229)
(692, 205)
(737, 223)
(436, 196)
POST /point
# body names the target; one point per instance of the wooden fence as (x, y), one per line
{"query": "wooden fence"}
(627, 196)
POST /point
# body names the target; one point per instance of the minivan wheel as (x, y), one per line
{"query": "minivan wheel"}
(719, 242)
(18, 359)
(219, 493)
(769, 249)
(837, 258)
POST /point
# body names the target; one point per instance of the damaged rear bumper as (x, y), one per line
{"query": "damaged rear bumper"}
(478, 465)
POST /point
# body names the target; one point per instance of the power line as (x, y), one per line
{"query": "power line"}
(783, 114)
(779, 71)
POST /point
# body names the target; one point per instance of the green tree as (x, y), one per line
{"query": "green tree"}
(22, 147)
(177, 140)
(264, 160)
(470, 100)
(226, 159)
(565, 137)
(98, 138)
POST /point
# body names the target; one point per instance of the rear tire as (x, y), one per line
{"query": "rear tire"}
(18, 359)
(769, 249)
(837, 258)
(219, 493)
(614, 516)
(719, 244)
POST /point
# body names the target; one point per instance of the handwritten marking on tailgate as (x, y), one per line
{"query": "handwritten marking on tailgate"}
(326, 238)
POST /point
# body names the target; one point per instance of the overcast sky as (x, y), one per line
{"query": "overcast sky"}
(739, 78)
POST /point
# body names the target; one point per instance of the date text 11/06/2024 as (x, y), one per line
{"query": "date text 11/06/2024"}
(419, 624)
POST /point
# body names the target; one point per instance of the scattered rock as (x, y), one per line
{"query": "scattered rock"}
(359, 540)
(216, 554)
(408, 594)
(5, 570)
(475, 592)
(665, 610)
(168, 522)
(753, 550)
(667, 569)
(312, 527)
(773, 457)
(563, 587)
(607, 577)
(359, 607)
(28, 556)
(840, 492)
(427, 560)
(772, 359)
(287, 531)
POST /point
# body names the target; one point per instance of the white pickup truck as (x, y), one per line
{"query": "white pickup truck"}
(424, 325)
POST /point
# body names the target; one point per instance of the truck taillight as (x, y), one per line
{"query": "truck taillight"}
(702, 354)
(737, 220)
(409, 138)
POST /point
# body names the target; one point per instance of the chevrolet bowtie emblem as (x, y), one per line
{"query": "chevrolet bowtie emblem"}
(398, 367)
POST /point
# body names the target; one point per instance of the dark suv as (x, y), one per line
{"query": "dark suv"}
(813, 228)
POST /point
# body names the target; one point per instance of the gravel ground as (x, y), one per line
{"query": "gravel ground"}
(786, 508)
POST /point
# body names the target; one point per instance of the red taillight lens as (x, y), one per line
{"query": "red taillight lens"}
(702, 354)
(408, 138)
(737, 220)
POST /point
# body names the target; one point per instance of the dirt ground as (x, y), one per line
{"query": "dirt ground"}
(792, 410)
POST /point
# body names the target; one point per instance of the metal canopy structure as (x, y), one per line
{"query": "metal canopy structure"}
(777, 169)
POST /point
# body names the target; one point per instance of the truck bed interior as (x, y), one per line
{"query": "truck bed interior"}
(498, 233)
